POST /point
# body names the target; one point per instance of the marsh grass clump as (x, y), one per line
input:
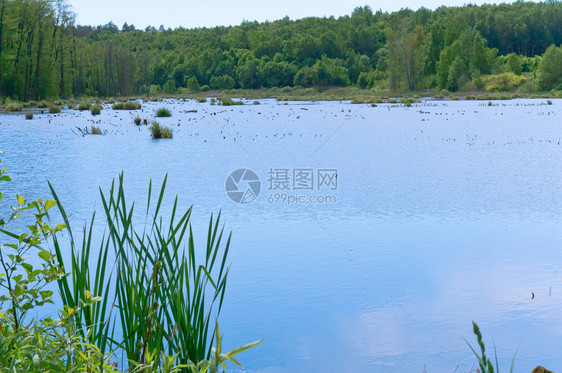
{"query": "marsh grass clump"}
(160, 132)
(42, 104)
(163, 113)
(137, 121)
(127, 106)
(95, 131)
(548, 102)
(202, 100)
(14, 106)
(84, 106)
(227, 101)
(28, 116)
(96, 109)
(256, 102)
(71, 106)
(54, 109)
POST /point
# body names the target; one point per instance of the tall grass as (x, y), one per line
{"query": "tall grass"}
(127, 106)
(161, 294)
(486, 365)
(163, 113)
(159, 131)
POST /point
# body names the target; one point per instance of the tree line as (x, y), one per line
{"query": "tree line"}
(45, 54)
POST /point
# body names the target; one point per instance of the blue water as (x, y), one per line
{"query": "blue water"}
(444, 213)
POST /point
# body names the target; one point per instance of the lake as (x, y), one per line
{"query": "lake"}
(378, 235)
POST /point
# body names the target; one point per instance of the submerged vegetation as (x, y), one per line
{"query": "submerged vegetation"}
(157, 306)
(467, 48)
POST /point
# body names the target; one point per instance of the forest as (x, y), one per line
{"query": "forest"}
(45, 54)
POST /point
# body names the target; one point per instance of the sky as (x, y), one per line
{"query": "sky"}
(209, 13)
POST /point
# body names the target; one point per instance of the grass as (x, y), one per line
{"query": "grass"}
(96, 109)
(127, 106)
(28, 116)
(549, 102)
(484, 362)
(14, 106)
(163, 113)
(161, 294)
(95, 130)
(54, 109)
(84, 106)
(160, 132)
(137, 121)
(227, 101)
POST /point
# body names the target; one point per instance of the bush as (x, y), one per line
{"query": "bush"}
(549, 68)
(54, 109)
(160, 132)
(502, 82)
(127, 106)
(169, 87)
(96, 109)
(193, 84)
(43, 105)
(163, 113)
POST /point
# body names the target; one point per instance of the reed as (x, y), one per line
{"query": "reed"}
(162, 294)
(127, 106)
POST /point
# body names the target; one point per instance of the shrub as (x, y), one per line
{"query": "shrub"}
(193, 84)
(502, 82)
(160, 132)
(137, 121)
(127, 106)
(84, 106)
(169, 87)
(54, 109)
(163, 113)
(205, 88)
(28, 116)
(43, 104)
(96, 109)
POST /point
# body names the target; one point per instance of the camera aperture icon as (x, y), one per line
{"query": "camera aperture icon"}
(243, 186)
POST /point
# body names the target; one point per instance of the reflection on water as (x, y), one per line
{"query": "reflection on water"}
(454, 208)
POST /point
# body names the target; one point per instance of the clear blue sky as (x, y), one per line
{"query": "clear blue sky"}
(200, 13)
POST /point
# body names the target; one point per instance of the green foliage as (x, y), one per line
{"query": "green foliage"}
(227, 101)
(96, 109)
(159, 131)
(14, 106)
(193, 84)
(514, 64)
(163, 113)
(484, 362)
(84, 106)
(28, 116)
(127, 106)
(54, 109)
(170, 87)
(502, 82)
(550, 68)
(223, 82)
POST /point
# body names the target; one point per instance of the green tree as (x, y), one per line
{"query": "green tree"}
(550, 69)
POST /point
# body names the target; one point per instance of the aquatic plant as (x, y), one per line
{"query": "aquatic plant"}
(163, 113)
(84, 106)
(127, 106)
(160, 132)
(14, 106)
(227, 101)
(96, 109)
(28, 116)
(484, 362)
(137, 121)
(54, 109)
